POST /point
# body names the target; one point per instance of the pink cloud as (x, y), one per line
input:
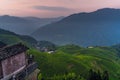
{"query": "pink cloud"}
(25, 7)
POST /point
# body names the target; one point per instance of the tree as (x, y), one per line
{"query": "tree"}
(94, 75)
(99, 75)
(49, 46)
(91, 75)
(105, 75)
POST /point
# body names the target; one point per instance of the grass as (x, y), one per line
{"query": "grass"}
(67, 59)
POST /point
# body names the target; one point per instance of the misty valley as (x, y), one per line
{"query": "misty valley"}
(82, 46)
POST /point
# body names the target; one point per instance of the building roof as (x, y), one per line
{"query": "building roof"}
(10, 51)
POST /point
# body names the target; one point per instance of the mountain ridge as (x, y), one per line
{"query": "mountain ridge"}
(9, 37)
(85, 29)
(24, 25)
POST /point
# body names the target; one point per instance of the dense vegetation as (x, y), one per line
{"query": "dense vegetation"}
(12, 38)
(117, 48)
(2, 44)
(46, 44)
(75, 61)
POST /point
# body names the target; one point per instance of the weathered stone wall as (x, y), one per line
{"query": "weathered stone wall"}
(13, 64)
(1, 72)
(33, 75)
(29, 73)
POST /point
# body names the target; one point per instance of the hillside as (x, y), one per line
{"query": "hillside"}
(12, 38)
(100, 27)
(2, 44)
(24, 25)
(78, 60)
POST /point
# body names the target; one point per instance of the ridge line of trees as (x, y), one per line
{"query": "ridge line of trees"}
(92, 75)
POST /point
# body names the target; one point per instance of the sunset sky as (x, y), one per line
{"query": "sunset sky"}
(53, 8)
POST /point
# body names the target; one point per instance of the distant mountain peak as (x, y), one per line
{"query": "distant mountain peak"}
(100, 27)
(103, 9)
(107, 10)
(6, 16)
(24, 25)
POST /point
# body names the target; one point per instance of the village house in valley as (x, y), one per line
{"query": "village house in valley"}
(14, 62)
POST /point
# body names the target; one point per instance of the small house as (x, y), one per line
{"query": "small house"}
(50, 52)
(90, 47)
(13, 59)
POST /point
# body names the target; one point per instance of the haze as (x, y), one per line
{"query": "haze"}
(53, 8)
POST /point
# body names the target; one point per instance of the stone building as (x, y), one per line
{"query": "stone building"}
(13, 60)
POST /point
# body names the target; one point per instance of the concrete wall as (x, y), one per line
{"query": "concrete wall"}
(13, 64)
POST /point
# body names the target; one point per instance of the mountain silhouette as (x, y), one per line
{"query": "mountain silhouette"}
(24, 25)
(101, 27)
